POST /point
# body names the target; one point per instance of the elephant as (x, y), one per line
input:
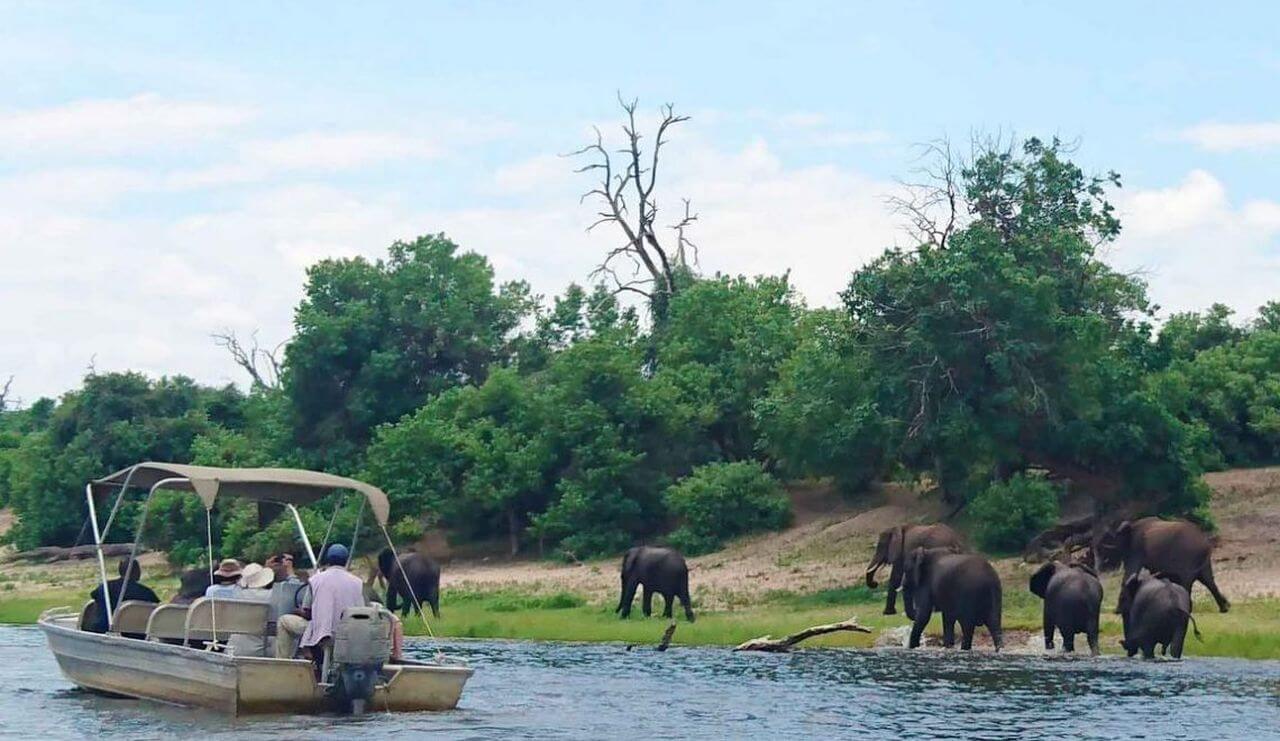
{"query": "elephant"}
(1175, 548)
(660, 570)
(1158, 608)
(963, 586)
(1072, 597)
(893, 546)
(416, 576)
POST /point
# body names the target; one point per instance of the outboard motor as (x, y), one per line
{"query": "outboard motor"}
(361, 645)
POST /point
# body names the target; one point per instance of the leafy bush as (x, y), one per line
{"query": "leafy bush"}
(1007, 514)
(719, 501)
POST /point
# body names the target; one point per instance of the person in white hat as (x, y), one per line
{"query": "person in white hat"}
(254, 584)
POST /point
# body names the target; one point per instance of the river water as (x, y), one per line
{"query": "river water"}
(562, 690)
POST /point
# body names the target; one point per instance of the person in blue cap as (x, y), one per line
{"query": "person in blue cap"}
(332, 590)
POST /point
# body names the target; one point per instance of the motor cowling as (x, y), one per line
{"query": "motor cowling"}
(361, 645)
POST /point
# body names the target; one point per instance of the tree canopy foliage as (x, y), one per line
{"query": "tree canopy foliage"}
(998, 360)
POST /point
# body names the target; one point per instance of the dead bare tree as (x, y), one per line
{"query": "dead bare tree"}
(262, 364)
(4, 394)
(931, 206)
(626, 194)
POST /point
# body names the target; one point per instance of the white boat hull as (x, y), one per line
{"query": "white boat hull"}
(236, 685)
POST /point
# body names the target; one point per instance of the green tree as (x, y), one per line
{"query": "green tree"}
(1006, 331)
(722, 346)
(721, 501)
(1188, 333)
(113, 421)
(822, 417)
(375, 340)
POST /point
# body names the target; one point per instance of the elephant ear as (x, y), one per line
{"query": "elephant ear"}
(1123, 532)
(1040, 579)
(897, 536)
(918, 567)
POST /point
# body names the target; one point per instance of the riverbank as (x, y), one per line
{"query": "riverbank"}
(781, 582)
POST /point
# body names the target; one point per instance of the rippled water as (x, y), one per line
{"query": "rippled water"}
(559, 690)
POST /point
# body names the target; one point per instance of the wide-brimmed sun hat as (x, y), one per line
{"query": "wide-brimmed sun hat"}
(228, 568)
(256, 576)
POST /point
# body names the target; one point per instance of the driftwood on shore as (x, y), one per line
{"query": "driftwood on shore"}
(49, 554)
(781, 645)
(665, 642)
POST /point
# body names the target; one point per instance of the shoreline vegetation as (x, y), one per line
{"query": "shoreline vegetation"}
(776, 583)
(1247, 632)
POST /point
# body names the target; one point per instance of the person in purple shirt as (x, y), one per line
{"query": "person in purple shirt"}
(332, 590)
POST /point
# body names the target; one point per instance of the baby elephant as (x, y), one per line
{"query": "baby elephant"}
(1157, 611)
(963, 586)
(1072, 598)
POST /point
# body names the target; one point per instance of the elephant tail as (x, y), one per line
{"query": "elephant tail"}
(1194, 627)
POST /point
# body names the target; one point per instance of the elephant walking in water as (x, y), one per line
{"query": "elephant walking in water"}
(1176, 549)
(1072, 598)
(894, 545)
(963, 586)
(658, 570)
(1156, 613)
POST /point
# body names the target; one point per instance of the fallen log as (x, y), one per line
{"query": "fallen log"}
(51, 553)
(663, 644)
(770, 644)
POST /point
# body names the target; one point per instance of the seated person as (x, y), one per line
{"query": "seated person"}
(130, 574)
(226, 580)
(332, 590)
(253, 584)
(191, 586)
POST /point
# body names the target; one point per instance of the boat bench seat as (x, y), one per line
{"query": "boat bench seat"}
(88, 614)
(198, 621)
(131, 617)
(227, 616)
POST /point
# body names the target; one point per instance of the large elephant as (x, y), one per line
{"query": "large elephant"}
(1175, 548)
(1158, 609)
(658, 570)
(963, 586)
(893, 546)
(1072, 598)
(415, 576)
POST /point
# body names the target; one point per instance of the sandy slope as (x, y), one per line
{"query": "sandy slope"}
(832, 540)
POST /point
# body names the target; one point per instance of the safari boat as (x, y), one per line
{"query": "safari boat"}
(177, 654)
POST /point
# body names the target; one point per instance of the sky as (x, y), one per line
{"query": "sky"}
(168, 171)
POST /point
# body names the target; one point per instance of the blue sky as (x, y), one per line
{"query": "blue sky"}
(169, 171)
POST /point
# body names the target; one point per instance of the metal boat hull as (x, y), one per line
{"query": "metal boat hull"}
(229, 684)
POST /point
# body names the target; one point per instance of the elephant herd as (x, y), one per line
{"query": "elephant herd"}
(1161, 560)
(935, 571)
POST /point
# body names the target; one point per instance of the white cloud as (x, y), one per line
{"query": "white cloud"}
(535, 173)
(315, 151)
(1225, 137)
(116, 125)
(1194, 247)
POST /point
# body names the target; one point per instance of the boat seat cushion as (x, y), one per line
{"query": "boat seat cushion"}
(167, 622)
(88, 614)
(131, 617)
(229, 616)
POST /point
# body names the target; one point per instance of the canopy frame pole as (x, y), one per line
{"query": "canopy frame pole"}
(306, 542)
(355, 536)
(106, 529)
(342, 499)
(137, 534)
(97, 542)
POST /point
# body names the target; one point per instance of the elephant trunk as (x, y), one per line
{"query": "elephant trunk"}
(871, 574)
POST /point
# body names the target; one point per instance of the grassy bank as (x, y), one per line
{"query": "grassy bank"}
(1249, 631)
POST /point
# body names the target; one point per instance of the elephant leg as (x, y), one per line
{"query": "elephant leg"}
(1148, 650)
(966, 636)
(392, 606)
(668, 601)
(948, 631)
(1048, 630)
(1175, 645)
(1091, 632)
(1205, 577)
(923, 613)
(688, 606)
(628, 596)
(646, 603)
(1068, 642)
(891, 599)
(433, 599)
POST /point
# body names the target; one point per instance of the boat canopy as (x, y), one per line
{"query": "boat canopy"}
(282, 485)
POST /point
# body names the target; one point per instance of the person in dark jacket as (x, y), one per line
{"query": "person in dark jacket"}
(130, 573)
